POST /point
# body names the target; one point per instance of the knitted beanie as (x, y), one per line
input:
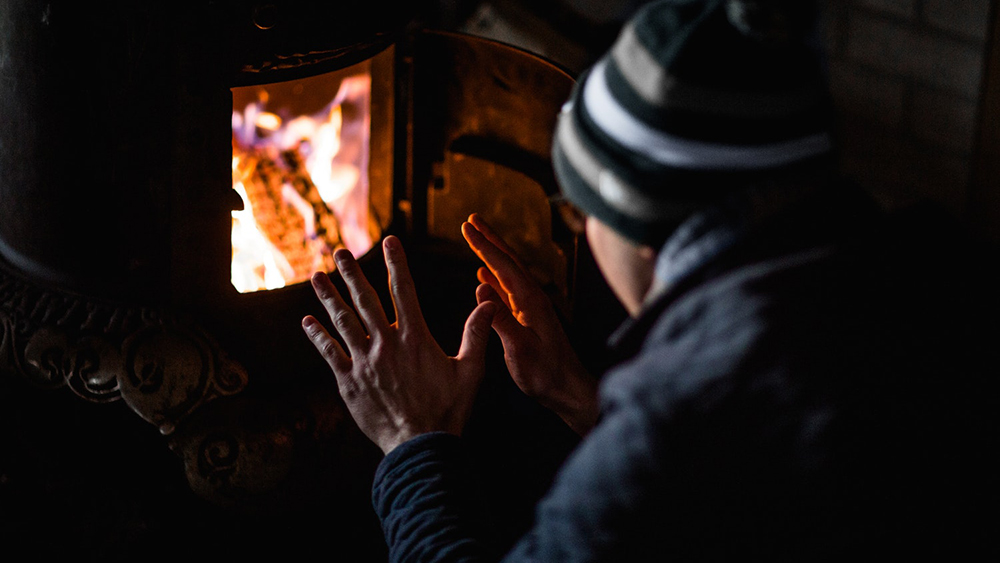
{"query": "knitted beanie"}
(695, 98)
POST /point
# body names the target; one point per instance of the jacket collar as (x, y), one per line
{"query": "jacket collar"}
(701, 241)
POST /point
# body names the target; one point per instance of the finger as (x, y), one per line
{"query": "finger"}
(477, 333)
(484, 275)
(485, 293)
(343, 317)
(483, 227)
(506, 270)
(404, 293)
(364, 296)
(328, 347)
(504, 321)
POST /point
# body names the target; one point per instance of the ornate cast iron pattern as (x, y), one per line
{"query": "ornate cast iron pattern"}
(232, 466)
(162, 367)
(283, 62)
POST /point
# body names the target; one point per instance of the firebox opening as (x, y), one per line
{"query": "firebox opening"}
(301, 154)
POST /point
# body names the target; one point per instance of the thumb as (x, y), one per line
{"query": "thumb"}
(477, 333)
(503, 320)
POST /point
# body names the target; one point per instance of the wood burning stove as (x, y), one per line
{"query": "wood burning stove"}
(134, 141)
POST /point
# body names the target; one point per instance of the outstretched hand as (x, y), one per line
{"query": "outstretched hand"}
(538, 354)
(396, 381)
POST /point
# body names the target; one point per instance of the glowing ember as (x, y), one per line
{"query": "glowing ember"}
(304, 185)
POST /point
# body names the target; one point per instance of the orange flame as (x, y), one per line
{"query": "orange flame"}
(304, 186)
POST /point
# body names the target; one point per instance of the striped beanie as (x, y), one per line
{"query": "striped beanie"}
(695, 98)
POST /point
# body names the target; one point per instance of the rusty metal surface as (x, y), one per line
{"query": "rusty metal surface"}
(483, 118)
(293, 38)
(469, 87)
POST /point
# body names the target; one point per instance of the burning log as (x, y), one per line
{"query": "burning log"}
(288, 211)
(303, 179)
(327, 227)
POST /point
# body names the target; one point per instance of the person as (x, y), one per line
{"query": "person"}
(789, 386)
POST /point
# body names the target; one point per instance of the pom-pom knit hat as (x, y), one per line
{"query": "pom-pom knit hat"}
(695, 98)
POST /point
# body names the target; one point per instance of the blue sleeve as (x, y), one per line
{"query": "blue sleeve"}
(597, 509)
(603, 502)
(425, 499)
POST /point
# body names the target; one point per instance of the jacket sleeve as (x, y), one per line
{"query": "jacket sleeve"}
(424, 498)
(600, 506)
(595, 510)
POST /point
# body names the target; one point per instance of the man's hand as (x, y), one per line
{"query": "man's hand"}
(538, 353)
(395, 379)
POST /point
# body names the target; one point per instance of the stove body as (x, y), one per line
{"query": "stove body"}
(147, 404)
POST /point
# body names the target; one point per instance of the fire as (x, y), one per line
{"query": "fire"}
(304, 185)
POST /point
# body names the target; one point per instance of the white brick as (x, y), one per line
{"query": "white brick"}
(865, 93)
(944, 120)
(969, 18)
(928, 58)
(904, 8)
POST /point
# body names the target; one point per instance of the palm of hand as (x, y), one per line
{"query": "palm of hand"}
(396, 381)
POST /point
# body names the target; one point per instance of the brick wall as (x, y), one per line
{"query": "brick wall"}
(906, 76)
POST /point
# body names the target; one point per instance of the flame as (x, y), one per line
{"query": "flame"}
(304, 186)
(268, 121)
(255, 260)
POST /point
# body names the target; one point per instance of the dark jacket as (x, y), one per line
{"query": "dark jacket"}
(799, 386)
